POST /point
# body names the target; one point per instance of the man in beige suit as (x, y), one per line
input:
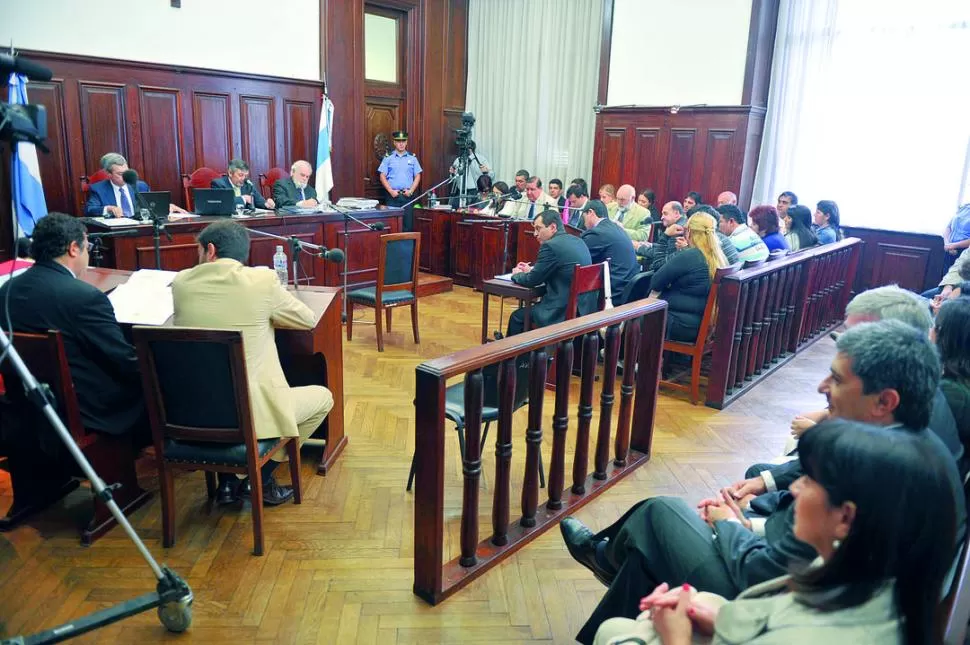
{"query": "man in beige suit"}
(222, 293)
(535, 201)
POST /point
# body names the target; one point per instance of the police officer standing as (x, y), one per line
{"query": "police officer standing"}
(400, 175)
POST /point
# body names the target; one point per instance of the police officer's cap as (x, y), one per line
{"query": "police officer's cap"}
(399, 135)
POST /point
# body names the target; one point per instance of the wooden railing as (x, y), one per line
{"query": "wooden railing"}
(643, 331)
(769, 313)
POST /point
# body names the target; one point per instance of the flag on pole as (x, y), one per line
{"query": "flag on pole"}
(324, 145)
(29, 204)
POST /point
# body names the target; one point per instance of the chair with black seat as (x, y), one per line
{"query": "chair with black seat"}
(455, 406)
(397, 284)
(197, 395)
(638, 288)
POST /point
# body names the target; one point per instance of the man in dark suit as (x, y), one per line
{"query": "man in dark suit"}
(112, 197)
(103, 364)
(885, 373)
(559, 252)
(607, 240)
(237, 179)
(296, 190)
(576, 198)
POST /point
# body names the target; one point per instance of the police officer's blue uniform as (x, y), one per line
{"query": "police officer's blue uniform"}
(400, 169)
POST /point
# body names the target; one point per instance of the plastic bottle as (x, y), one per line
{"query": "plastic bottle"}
(433, 201)
(280, 264)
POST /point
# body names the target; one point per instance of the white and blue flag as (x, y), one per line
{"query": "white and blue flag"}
(29, 204)
(324, 144)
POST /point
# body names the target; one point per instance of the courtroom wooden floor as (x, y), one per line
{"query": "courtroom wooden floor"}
(338, 569)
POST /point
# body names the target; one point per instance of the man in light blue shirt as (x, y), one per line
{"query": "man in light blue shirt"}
(400, 175)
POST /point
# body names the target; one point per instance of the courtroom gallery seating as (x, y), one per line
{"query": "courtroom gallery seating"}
(200, 178)
(397, 281)
(197, 396)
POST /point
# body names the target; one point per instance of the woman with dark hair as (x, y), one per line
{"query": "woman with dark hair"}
(496, 192)
(827, 225)
(763, 220)
(951, 333)
(798, 223)
(878, 508)
(648, 199)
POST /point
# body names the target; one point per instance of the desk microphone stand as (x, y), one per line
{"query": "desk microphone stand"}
(296, 245)
(435, 187)
(157, 228)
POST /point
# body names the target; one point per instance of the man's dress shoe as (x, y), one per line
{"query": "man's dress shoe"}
(226, 494)
(274, 494)
(581, 544)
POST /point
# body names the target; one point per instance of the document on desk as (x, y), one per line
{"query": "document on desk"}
(152, 278)
(505, 276)
(117, 221)
(143, 302)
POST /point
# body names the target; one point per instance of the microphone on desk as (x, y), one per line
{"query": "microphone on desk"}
(494, 199)
(332, 255)
(251, 206)
(378, 226)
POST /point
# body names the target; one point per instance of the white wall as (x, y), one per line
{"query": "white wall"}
(678, 52)
(281, 38)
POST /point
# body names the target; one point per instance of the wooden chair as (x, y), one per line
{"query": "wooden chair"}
(586, 279)
(41, 469)
(86, 182)
(201, 178)
(704, 343)
(197, 396)
(638, 288)
(455, 406)
(267, 180)
(397, 283)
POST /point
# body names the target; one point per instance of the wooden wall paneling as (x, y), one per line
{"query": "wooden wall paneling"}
(300, 131)
(212, 127)
(342, 61)
(680, 163)
(718, 173)
(902, 265)
(257, 133)
(649, 147)
(611, 149)
(161, 125)
(103, 120)
(55, 168)
(911, 260)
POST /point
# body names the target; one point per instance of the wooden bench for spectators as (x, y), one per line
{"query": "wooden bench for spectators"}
(770, 312)
(436, 576)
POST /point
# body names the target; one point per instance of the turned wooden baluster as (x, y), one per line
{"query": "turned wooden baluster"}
(471, 467)
(503, 452)
(790, 332)
(560, 421)
(735, 375)
(612, 354)
(771, 282)
(591, 350)
(781, 312)
(631, 357)
(746, 329)
(757, 312)
(533, 438)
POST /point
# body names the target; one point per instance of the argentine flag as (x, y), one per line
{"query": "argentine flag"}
(324, 143)
(29, 204)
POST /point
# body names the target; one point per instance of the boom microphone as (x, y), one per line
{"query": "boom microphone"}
(376, 226)
(17, 65)
(332, 255)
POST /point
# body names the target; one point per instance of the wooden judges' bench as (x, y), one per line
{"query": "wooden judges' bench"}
(324, 229)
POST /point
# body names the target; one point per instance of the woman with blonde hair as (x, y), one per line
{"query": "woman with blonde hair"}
(684, 280)
(607, 194)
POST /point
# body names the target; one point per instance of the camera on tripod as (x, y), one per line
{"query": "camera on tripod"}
(23, 123)
(463, 135)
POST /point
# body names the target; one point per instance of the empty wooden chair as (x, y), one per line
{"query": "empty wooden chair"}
(267, 180)
(201, 178)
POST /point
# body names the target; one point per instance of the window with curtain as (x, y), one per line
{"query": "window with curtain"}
(870, 106)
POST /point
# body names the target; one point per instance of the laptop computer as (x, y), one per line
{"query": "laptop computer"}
(214, 201)
(158, 202)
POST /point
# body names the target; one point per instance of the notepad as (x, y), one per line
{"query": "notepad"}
(146, 299)
(117, 221)
(504, 276)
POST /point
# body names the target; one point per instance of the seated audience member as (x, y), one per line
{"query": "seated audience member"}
(295, 190)
(237, 178)
(498, 197)
(579, 181)
(648, 199)
(951, 333)
(763, 220)
(798, 223)
(879, 573)
(555, 191)
(962, 289)
(727, 197)
(884, 373)
(785, 201)
(483, 186)
(672, 221)
(633, 218)
(956, 274)
(684, 281)
(521, 179)
(750, 247)
(50, 295)
(537, 199)
(607, 195)
(727, 246)
(112, 197)
(827, 226)
(559, 252)
(607, 240)
(693, 199)
(576, 200)
(956, 236)
(222, 293)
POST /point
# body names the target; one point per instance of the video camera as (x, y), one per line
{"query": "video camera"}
(27, 123)
(463, 138)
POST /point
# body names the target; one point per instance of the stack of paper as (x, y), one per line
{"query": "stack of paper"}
(117, 221)
(146, 299)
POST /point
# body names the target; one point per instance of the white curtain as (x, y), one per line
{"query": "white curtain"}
(533, 72)
(870, 106)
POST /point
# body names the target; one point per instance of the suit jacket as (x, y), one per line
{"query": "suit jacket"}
(636, 222)
(574, 218)
(246, 189)
(104, 366)
(285, 192)
(554, 268)
(227, 295)
(608, 240)
(665, 246)
(520, 207)
(101, 194)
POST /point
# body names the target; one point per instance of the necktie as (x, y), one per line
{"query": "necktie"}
(125, 202)
(532, 211)
(621, 215)
(236, 190)
(302, 194)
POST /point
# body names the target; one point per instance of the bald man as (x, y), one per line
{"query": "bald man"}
(296, 190)
(634, 218)
(727, 197)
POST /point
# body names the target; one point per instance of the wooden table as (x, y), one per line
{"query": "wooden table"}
(308, 356)
(508, 289)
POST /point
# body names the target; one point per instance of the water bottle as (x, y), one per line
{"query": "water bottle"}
(433, 200)
(462, 201)
(280, 264)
